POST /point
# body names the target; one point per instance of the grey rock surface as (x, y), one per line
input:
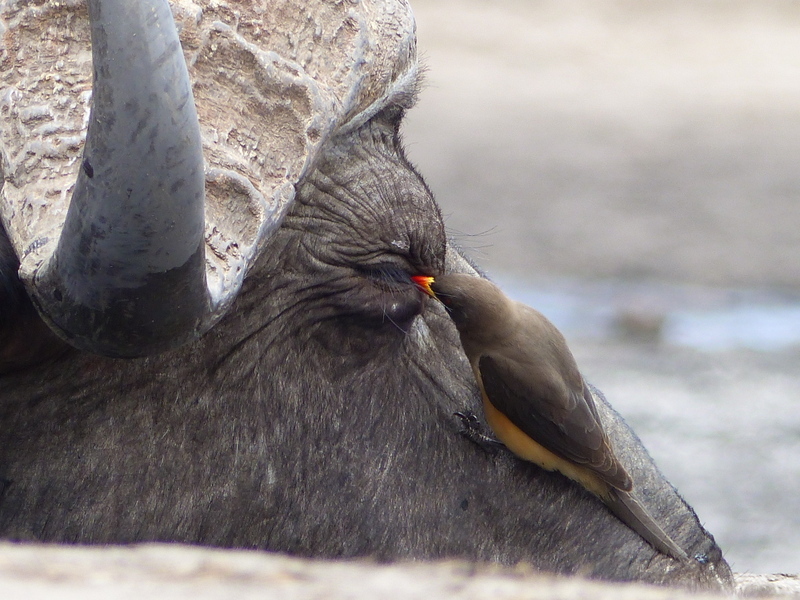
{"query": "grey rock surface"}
(172, 572)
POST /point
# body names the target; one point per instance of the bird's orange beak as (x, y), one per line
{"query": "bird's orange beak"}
(424, 282)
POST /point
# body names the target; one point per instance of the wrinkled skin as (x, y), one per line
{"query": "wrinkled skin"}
(317, 417)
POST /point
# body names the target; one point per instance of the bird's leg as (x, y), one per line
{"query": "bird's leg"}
(474, 431)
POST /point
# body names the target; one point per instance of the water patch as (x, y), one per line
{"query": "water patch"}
(711, 319)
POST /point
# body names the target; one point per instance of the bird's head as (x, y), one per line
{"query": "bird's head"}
(477, 306)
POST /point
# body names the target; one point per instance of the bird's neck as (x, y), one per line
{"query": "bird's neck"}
(504, 323)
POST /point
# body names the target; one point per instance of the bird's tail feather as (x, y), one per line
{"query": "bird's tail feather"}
(634, 515)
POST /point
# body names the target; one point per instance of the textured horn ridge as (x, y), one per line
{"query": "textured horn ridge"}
(114, 245)
(128, 275)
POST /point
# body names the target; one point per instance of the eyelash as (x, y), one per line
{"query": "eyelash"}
(387, 274)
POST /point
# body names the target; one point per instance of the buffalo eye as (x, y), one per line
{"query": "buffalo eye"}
(392, 299)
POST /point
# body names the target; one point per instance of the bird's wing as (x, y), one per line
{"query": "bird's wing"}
(565, 422)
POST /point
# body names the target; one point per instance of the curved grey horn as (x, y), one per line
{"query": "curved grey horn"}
(128, 275)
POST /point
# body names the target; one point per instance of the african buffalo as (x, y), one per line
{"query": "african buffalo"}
(208, 331)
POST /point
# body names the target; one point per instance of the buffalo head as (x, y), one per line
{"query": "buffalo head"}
(241, 357)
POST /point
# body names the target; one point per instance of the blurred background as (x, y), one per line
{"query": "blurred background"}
(632, 169)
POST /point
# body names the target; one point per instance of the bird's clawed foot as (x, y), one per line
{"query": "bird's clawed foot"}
(474, 431)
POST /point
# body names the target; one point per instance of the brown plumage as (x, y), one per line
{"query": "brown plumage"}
(535, 398)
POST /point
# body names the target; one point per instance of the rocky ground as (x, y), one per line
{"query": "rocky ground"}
(176, 572)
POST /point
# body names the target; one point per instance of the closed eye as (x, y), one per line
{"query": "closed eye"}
(388, 296)
(388, 276)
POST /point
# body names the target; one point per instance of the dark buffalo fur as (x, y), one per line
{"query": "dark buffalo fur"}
(24, 338)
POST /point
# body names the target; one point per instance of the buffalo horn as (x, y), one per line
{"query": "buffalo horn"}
(128, 275)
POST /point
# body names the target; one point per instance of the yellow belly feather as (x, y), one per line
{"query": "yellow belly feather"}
(526, 448)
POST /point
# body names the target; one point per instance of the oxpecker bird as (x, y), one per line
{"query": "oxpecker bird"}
(535, 398)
